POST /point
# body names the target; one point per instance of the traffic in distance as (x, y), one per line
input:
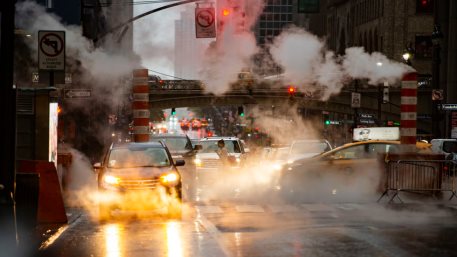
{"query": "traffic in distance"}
(218, 168)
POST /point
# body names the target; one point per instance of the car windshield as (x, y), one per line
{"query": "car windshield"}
(138, 157)
(309, 147)
(210, 146)
(175, 143)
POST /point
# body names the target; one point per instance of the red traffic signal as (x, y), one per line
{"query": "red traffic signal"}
(226, 12)
(291, 90)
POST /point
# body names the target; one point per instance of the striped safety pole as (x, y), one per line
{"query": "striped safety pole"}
(140, 106)
(408, 112)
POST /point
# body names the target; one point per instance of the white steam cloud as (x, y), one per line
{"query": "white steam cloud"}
(309, 65)
(101, 69)
(233, 48)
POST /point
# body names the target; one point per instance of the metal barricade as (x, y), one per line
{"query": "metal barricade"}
(419, 176)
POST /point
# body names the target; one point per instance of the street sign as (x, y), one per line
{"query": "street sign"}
(205, 26)
(51, 50)
(68, 78)
(77, 93)
(355, 100)
(437, 94)
(35, 77)
(448, 107)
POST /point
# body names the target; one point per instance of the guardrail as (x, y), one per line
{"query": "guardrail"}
(420, 176)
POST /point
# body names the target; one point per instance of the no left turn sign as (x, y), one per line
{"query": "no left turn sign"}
(51, 50)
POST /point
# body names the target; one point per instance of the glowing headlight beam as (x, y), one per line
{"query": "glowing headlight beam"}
(198, 162)
(169, 178)
(112, 180)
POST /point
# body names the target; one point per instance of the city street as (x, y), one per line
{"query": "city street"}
(238, 229)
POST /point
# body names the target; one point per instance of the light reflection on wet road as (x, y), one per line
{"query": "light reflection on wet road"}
(228, 229)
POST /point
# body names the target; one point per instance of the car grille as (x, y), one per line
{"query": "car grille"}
(211, 163)
(139, 184)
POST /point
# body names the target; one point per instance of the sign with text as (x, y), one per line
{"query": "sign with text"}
(376, 133)
(77, 93)
(51, 50)
(448, 107)
(355, 100)
(205, 25)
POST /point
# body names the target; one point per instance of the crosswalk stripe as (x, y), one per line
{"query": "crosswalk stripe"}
(317, 207)
(283, 208)
(249, 208)
(209, 209)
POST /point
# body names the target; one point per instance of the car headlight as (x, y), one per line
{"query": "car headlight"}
(170, 179)
(198, 162)
(277, 166)
(111, 180)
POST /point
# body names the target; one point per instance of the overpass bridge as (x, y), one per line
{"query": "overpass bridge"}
(191, 93)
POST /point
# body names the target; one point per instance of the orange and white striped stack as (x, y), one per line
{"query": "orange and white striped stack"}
(140, 106)
(408, 111)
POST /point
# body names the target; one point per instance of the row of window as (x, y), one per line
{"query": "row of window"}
(270, 32)
(368, 10)
(278, 9)
(276, 17)
(278, 2)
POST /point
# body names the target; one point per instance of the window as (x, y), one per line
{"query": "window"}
(424, 47)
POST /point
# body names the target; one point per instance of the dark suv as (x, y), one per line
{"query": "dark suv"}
(181, 148)
(138, 175)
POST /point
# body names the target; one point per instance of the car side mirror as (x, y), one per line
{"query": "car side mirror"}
(197, 147)
(180, 163)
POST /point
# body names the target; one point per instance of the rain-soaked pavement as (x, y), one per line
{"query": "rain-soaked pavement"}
(266, 228)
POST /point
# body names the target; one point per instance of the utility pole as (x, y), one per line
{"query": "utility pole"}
(8, 234)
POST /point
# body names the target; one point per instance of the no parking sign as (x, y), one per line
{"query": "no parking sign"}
(205, 26)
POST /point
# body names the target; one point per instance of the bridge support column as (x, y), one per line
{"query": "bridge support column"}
(408, 112)
(140, 105)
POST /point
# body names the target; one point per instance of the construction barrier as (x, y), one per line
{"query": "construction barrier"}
(419, 176)
(51, 207)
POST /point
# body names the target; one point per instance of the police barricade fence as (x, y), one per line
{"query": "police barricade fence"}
(431, 177)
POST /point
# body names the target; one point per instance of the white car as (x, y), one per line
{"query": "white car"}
(208, 160)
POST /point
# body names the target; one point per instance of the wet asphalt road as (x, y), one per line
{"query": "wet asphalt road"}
(247, 228)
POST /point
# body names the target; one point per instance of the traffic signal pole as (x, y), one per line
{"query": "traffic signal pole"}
(8, 234)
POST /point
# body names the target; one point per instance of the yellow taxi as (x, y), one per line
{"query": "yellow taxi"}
(354, 167)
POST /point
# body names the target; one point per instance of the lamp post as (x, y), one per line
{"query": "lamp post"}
(437, 35)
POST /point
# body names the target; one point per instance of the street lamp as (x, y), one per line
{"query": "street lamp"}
(437, 35)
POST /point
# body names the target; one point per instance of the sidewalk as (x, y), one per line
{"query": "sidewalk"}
(46, 234)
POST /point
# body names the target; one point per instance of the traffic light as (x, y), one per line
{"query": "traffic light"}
(226, 12)
(424, 6)
(326, 118)
(241, 111)
(291, 90)
(173, 111)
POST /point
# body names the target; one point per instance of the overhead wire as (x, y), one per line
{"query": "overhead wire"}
(130, 2)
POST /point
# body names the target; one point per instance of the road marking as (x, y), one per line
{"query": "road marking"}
(283, 208)
(249, 208)
(317, 207)
(210, 209)
(215, 233)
